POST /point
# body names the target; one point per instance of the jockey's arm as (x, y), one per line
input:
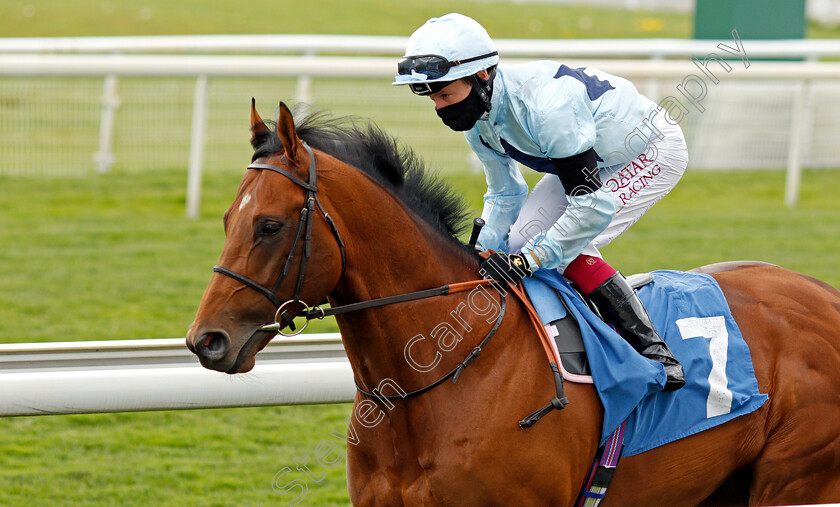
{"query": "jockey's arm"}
(565, 132)
(506, 192)
(590, 210)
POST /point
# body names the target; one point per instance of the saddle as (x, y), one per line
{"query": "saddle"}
(568, 340)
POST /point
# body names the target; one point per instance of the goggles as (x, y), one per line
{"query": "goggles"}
(428, 88)
(433, 66)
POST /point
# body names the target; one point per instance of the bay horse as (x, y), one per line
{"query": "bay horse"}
(350, 217)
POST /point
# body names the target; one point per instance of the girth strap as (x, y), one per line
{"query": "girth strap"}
(603, 469)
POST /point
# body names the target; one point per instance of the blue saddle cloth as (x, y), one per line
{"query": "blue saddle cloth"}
(690, 312)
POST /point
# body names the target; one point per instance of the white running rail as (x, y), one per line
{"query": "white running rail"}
(144, 375)
(653, 60)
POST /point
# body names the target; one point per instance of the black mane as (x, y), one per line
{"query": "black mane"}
(381, 157)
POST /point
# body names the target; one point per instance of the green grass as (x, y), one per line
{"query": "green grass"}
(192, 458)
(111, 257)
(380, 17)
(49, 18)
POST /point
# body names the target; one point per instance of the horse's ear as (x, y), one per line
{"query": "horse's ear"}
(257, 125)
(288, 136)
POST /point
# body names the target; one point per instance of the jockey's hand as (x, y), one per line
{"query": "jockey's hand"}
(505, 267)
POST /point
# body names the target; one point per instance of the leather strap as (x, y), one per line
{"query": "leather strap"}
(455, 373)
(304, 230)
(559, 401)
(319, 313)
(244, 280)
(308, 186)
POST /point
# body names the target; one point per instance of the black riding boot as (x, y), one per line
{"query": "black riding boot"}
(621, 307)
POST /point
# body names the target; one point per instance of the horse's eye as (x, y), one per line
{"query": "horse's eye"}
(270, 228)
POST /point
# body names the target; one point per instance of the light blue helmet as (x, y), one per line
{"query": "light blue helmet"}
(445, 49)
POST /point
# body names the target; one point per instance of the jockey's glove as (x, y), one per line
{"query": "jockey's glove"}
(505, 267)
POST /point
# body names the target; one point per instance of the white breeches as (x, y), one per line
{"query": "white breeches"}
(636, 187)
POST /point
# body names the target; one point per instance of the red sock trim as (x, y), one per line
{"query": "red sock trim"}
(588, 272)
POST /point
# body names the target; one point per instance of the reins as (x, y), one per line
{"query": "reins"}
(319, 313)
(455, 373)
(557, 402)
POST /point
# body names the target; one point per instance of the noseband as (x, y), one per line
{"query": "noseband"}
(304, 231)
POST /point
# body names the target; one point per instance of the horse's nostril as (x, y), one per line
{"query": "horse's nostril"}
(212, 346)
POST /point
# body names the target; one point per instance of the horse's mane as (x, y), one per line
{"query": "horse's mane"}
(380, 156)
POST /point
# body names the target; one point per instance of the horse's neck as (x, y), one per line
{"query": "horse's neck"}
(397, 255)
(390, 251)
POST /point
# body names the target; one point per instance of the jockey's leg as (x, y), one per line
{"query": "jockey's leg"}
(636, 188)
(620, 306)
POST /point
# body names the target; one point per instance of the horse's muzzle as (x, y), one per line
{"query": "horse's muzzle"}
(210, 347)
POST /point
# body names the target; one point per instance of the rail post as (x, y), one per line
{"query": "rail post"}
(197, 134)
(104, 158)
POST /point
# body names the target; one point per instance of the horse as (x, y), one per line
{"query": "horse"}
(351, 216)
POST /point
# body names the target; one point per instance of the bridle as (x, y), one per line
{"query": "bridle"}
(304, 230)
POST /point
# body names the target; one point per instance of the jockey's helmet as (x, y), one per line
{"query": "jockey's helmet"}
(443, 50)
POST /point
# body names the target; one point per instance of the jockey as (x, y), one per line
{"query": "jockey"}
(607, 151)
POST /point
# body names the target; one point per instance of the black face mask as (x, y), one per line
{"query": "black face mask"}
(462, 115)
